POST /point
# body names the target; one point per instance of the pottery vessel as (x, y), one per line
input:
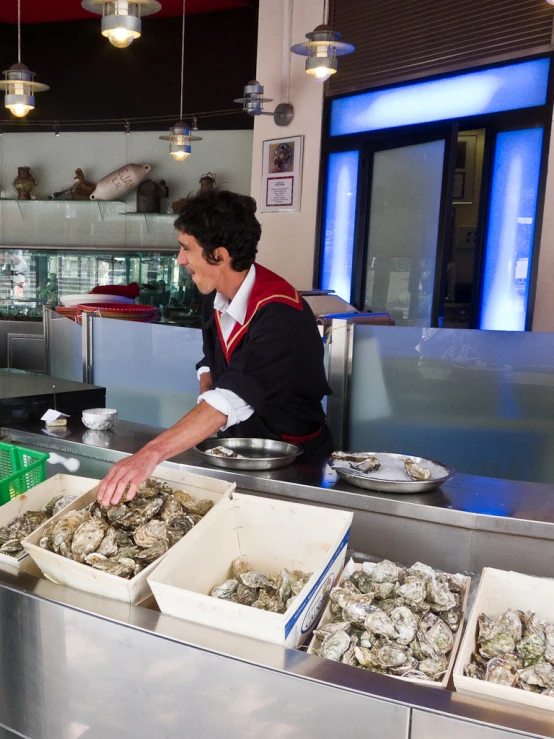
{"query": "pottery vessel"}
(24, 183)
(116, 185)
(99, 419)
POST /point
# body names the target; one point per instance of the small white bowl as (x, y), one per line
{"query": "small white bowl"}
(99, 419)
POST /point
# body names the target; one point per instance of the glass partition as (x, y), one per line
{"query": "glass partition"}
(31, 278)
(66, 349)
(481, 402)
(148, 370)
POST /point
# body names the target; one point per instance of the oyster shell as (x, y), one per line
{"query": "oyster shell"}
(388, 654)
(225, 590)
(257, 580)
(108, 546)
(379, 623)
(434, 634)
(245, 596)
(48, 508)
(149, 533)
(405, 624)
(64, 529)
(416, 472)
(87, 537)
(153, 552)
(385, 571)
(334, 645)
(239, 566)
(171, 509)
(531, 648)
(501, 671)
(369, 464)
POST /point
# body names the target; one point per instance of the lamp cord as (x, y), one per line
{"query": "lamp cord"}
(19, 31)
(182, 64)
(325, 12)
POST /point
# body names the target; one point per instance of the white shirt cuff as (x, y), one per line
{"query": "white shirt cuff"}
(228, 403)
(202, 371)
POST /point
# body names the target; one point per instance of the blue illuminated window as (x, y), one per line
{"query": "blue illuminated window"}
(340, 217)
(512, 214)
(510, 87)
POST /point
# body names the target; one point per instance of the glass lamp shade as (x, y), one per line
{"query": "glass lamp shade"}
(180, 141)
(121, 19)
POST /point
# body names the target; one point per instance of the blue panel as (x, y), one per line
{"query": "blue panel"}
(487, 91)
(340, 217)
(509, 247)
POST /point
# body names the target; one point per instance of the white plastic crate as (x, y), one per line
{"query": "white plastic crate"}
(271, 534)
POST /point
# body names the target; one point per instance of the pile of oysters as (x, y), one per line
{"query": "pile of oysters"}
(124, 539)
(23, 525)
(393, 620)
(516, 650)
(256, 589)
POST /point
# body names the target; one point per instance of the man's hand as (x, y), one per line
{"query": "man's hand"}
(130, 471)
(202, 421)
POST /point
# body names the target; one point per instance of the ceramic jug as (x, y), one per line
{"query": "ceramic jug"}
(116, 185)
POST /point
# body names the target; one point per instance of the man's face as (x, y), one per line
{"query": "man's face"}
(204, 275)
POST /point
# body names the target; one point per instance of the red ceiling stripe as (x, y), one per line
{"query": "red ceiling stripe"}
(39, 11)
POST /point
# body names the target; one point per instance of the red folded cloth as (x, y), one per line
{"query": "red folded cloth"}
(125, 291)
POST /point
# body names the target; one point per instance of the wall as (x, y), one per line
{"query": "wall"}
(288, 239)
(54, 159)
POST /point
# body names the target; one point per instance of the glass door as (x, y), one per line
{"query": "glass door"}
(405, 225)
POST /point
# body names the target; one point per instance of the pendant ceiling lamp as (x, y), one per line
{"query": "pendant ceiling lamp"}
(19, 84)
(322, 49)
(179, 135)
(121, 19)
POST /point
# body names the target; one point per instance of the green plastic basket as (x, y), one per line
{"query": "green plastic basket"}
(20, 470)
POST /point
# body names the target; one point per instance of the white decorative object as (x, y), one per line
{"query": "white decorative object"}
(99, 419)
(71, 301)
(116, 185)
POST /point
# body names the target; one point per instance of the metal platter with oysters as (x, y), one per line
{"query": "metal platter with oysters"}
(387, 472)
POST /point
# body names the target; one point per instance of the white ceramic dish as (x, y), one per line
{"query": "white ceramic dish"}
(78, 299)
(99, 419)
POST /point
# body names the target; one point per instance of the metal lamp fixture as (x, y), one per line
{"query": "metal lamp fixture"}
(179, 135)
(253, 103)
(322, 49)
(19, 84)
(121, 19)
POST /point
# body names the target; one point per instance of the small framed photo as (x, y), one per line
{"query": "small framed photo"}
(281, 174)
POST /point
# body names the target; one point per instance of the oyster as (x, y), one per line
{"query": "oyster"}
(149, 533)
(541, 674)
(171, 509)
(434, 667)
(497, 645)
(351, 456)
(435, 635)
(349, 657)
(452, 618)
(87, 537)
(48, 508)
(64, 529)
(334, 645)
(385, 571)
(370, 464)
(257, 580)
(225, 590)
(331, 627)
(531, 648)
(93, 557)
(62, 502)
(239, 566)
(362, 580)
(363, 656)
(108, 546)
(379, 623)
(412, 592)
(501, 671)
(224, 451)
(116, 513)
(185, 499)
(153, 552)
(114, 567)
(405, 624)
(416, 472)
(388, 654)
(245, 596)
(476, 671)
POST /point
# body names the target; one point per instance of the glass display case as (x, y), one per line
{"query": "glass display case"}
(33, 277)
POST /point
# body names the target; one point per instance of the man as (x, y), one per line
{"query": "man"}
(262, 373)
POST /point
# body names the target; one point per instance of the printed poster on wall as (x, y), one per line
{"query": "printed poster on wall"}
(281, 175)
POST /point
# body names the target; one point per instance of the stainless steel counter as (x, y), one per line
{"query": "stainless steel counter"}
(76, 665)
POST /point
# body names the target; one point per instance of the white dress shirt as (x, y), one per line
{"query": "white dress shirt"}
(232, 312)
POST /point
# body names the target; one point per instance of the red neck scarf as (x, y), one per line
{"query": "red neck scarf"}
(268, 288)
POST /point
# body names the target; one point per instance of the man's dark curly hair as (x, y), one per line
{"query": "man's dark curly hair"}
(222, 218)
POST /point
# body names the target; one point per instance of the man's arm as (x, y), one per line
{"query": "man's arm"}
(200, 423)
(205, 382)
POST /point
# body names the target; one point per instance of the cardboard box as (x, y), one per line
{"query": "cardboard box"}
(499, 590)
(351, 567)
(271, 534)
(83, 577)
(33, 500)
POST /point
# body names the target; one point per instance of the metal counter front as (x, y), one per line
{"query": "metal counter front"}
(77, 665)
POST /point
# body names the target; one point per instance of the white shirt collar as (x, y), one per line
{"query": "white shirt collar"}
(236, 308)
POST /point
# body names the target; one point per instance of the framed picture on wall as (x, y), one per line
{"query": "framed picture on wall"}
(281, 174)
(464, 178)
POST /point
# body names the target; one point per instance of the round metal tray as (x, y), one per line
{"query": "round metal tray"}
(262, 454)
(391, 476)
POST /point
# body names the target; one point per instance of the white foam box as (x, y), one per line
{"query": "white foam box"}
(65, 571)
(271, 534)
(33, 500)
(327, 616)
(499, 590)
